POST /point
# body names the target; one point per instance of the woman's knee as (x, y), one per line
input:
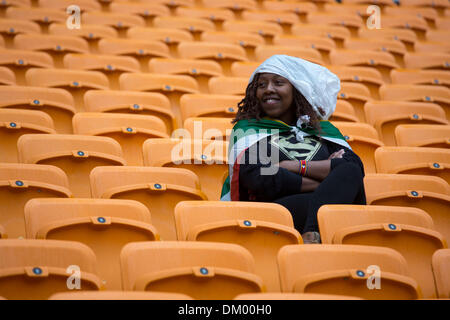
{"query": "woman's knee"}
(351, 171)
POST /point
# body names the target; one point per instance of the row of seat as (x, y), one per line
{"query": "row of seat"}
(264, 230)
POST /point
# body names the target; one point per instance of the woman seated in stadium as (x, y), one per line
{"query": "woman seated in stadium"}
(283, 149)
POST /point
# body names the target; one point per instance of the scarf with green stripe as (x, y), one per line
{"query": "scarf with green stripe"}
(246, 133)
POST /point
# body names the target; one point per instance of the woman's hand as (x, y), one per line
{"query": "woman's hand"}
(337, 154)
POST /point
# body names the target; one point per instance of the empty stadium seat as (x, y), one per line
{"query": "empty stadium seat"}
(85, 5)
(414, 160)
(426, 93)
(300, 9)
(406, 36)
(432, 46)
(363, 139)
(16, 122)
(264, 28)
(36, 269)
(208, 128)
(292, 296)
(43, 16)
(21, 182)
(262, 228)
(57, 103)
(429, 14)
(160, 189)
(7, 77)
(216, 15)
(406, 21)
(201, 70)
(235, 5)
(416, 135)
(103, 225)
(357, 94)
(384, 116)
(243, 68)
(128, 129)
(344, 112)
(334, 32)
(429, 193)
(206, 158)
(382, 61)
(437, 35)
(119, 295)
(228, 85)
(409, 231)
(394, 47)
(77, 82)
(441, 265)
(418, 76)
(120, 21)
(209, 105)
(3, 234)
(223, 53)
(141, 50)
(284, 18)
(346, 270)
(76, 155)
(350, 21)
(110, 65)
(201, 270)
(56, 46)
(20, 61)
(10, 28)
(194, 25)
(264, 52)
(147, 10)
(427, 60)
(369, 77)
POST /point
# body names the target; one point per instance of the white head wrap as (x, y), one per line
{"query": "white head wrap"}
(316, 83)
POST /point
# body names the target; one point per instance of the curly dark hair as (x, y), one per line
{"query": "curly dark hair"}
(249, 107)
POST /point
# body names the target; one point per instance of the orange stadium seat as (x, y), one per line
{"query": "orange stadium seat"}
(20, 61)
(369, 77)
(7, 77)
(292, 296)
(175, 3)
(16, 122)
(425, 135)
(284, 18)
(427, 60)
(418, 76)
(56, 46)
(209, 105)
(441, 265)
(208, 159)
(345, 270)
(264, 52)
(85, 5)
(92, 33)
(322, 44)
(146, 10)
(201, 270)
(76, 155)
(410, 22)
(432, 46)
(300, 9)
(129, 130)
(159, 189)
(216, 15)
(357, 95)
(384, 116)
(22, 182)
(352, 22)
(414, 160)
(14, 3)
(194, 25)
(75, 81)
(10, 28)
(235, 5)
(120, 21)
(110, 65)
(208, 128)
(336, 33)
(344, 112)
(359, 9)
(223, 53)
(142, 50)
(119, 295)
(3, 234)
(429, 14)
(201, 70)
(228, 85)
(260, 228)
(409, 231)
(437, 35)
(426, 93)
(264, 28)
(406, 36)
(103, 225)
(131, 102)
(394, 47)
(35, 269)
(429, 193)
(384, 62)
(43, 16)
(364, 140)
(57, 103)
(243, 69)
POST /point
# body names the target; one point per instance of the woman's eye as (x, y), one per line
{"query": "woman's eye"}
(261, 85)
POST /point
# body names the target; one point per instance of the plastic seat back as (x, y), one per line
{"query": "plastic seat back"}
(129, 130)
(261, 228)
(14, 123)
(410, 231)
(206, 158)
(35, 269)
(119, 295)
(345, 270)
(209, 105)
(418, 76)
(198, 269)
(103, 225)
(22, 182)
(209, 128)
(228, 85)
(159, 189)
(425, 135)
(441, 265)
(76, 155)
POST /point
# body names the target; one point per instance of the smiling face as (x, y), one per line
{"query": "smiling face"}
(276, 95)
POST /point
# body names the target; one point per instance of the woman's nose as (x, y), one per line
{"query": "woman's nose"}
(270, 87)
